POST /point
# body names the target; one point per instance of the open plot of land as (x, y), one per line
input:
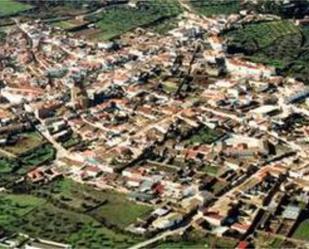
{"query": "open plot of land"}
(215, 7)
(31, 215)
(14, 207)
(302, 231)
(10, 7)
(25, 142)
(106, 206)
(204, 136)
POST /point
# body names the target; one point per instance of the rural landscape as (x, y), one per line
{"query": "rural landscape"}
(134, 124)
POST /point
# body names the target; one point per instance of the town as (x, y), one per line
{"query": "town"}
(190, 142)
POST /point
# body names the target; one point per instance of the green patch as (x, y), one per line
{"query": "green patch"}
(209, 169)
(31, 215)
(109, 207)
(118, 20)
(7, 165)
(170, 87)
(11, 7)
(119, 211)
(260, 35)
(302, 231)
(278, 43)
(216, 7)
(204, 136)
(40, 155)
(25, 142)
(195, 240)
(13, 207)
(163, 27)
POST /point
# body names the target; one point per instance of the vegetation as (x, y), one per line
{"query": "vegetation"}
(204, 136)
(195, 240)
(163, 27)
(7, 165)
(278, 43)
(290, 9)
(216, 7)
(302, 231)
(33, 216)
(13, 207)
(118, 20)
(25, 143)
(109, 207)
(11, 7)
(39, 155)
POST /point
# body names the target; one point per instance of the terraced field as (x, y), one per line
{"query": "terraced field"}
(278, 43)
(118, 20)
(215, 7)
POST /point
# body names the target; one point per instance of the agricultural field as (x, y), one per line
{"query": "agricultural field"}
(107, 207)
(215, 7)
(31, 215)
(278, 43)
(10, 7)
(257, 36)
(13, 207)
(118, 20)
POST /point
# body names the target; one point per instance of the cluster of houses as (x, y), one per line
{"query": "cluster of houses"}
(209, 140)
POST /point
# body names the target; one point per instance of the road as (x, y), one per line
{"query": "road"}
(160, 237)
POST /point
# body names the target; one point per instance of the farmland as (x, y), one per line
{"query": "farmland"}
(118, 20)
(215, 7)
(36, 217)
(278, 43)
(108, 207)
(10, 7)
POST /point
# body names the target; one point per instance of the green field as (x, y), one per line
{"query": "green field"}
(26, 142)
(33, 216)
(302, 231)
(215, 7)
(257, 36)
(120, 211)
(118, 20)
(10, 7)
(13, 207)
(7, 165)
(108, 207)
(277, 43)
(204, 136)
(40, 155)
(164, 26)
